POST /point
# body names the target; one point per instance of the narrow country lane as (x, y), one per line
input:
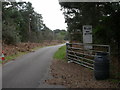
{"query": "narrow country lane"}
(30, 70)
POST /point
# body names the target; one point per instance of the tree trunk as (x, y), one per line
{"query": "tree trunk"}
(29, 30)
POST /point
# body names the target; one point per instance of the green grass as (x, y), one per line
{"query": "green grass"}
(36, 48)
(14, 56)
(60, 53)
(114, 80)
(0, 62)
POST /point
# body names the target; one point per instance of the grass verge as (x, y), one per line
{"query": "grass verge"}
(114, 80)
(36, 48)
(60, 54)
(12, 57)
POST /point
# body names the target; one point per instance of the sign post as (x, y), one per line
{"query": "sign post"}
(87, 36)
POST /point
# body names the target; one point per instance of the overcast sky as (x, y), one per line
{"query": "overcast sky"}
(50, 10)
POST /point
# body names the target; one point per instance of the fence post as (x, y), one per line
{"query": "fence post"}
(67, 51)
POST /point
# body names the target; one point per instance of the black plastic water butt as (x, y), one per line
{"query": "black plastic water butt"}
(101, 66)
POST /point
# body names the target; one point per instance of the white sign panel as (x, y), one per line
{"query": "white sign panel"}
(87, 35)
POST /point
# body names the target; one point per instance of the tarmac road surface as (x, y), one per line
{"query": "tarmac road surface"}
(30, 70)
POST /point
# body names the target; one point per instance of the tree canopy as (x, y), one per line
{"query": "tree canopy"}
(22, 24)
(104, 18)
